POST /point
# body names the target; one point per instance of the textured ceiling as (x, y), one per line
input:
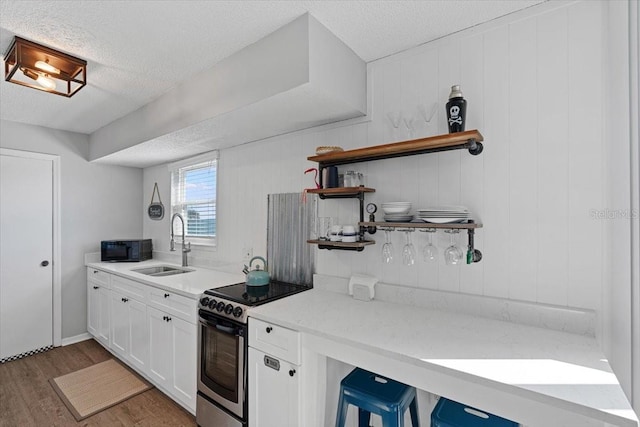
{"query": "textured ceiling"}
(138, 50)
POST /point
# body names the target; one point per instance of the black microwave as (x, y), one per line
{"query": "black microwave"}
(125, 250)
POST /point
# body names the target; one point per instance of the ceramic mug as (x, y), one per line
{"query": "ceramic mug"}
(349, 233)
(335, 233)
(348, 229)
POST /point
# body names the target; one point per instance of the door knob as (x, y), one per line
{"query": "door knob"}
(44, 263)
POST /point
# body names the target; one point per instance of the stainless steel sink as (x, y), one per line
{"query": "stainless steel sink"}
(161, 270)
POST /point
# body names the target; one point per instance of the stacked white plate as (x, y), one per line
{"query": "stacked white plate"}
(443, 214)
(398, 217)
(397, 211)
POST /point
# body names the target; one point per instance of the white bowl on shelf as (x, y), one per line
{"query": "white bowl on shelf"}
(396, 207)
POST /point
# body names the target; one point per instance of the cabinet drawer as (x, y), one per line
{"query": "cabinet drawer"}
(99, 276)
(129, 288)
(170, 302)
(275, 340)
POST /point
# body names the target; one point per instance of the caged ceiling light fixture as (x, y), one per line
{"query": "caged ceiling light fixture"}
(33, 65)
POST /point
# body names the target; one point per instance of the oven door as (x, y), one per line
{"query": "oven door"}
(222, 366)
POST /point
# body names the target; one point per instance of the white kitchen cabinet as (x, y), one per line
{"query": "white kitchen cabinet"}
(153, 330)
(274, 375)
(129, 332)
(92, 308)
(274, 396)
(98, 313)
(172, 303)
(172, 355)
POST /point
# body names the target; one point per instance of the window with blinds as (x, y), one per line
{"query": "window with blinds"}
(193, 195)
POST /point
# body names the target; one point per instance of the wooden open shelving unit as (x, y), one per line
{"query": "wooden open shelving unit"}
(450, 226)
(346, 246)
(340, 192)
(469, 140)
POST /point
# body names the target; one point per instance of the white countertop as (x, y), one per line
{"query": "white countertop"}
(559, 370)
(190, 285)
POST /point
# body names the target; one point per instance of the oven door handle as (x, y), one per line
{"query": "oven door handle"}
(228, 329)
(210, 321)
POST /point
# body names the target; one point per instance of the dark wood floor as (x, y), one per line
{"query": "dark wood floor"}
(27, 398)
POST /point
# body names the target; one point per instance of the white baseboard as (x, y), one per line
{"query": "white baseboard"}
(77, 338)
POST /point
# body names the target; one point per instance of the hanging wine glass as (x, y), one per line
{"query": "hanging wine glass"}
(387, 248)
(409, 251)
(453, 254)
(429, 251)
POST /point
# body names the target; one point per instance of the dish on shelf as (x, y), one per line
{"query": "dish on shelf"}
(444, 209)
(396, 207)
(443, 220)
(444, 215)
(325, 149)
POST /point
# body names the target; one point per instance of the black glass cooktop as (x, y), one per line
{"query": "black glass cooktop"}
(256, 295)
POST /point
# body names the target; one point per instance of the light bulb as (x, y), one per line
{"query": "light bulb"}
(46, 82)
(45, 66)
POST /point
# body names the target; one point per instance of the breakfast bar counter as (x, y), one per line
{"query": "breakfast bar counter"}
(531, 375)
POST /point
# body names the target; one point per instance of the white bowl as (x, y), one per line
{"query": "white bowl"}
(396, 209)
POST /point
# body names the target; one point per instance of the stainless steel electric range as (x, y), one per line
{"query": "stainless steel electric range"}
(222, 350)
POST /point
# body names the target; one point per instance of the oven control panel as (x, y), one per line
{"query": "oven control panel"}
(223, 308)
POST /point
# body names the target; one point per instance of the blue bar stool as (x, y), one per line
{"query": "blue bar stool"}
(372, 393)
(449, 413)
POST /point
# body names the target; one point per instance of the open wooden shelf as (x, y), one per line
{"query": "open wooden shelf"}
(452, 225)
(341, 191)
(352, 246)
(469, 140)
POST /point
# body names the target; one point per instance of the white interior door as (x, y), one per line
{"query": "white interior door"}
(26, 255)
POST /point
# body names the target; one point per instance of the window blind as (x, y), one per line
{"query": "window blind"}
(193, 195)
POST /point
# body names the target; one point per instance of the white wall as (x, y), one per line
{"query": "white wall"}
(536, 87)
(622, 181)
(97, 202)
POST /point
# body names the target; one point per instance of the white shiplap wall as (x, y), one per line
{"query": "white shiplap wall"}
(534, 86)
(534, 89)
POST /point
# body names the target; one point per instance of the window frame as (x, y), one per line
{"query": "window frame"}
(180, 167)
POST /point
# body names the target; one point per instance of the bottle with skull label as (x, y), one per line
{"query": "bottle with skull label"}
(456, 110)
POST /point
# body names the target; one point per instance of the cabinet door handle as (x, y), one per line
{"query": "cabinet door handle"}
(167, 295)
(125, 299)
(96, 287)
(292, 372)
(269, 329)
(164, 318)
(95, 271)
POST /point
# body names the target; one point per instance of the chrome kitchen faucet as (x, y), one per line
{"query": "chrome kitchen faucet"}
(186, 247)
